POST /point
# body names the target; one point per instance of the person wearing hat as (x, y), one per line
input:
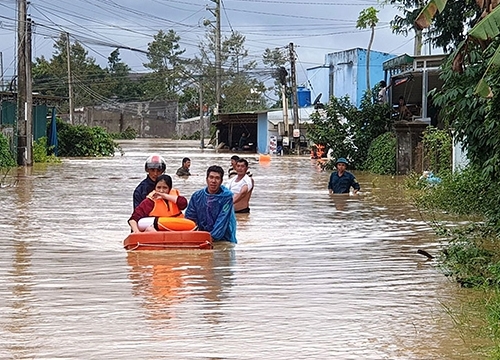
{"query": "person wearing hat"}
(341, 180)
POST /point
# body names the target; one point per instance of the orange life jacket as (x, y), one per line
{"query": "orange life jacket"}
(163, 208)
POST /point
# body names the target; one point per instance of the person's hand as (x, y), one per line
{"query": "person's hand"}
(151, 195)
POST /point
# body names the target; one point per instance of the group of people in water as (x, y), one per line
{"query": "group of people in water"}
(210, 209)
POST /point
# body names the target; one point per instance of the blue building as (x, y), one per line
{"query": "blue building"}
(344, 73)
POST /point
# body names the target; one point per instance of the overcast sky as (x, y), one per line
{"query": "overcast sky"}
(315, 27)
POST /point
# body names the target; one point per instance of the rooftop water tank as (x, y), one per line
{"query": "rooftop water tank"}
(303, 96)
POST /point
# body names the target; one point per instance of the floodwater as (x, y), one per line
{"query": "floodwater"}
(312, 277)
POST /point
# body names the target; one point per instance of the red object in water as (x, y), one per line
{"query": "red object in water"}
(168, 240)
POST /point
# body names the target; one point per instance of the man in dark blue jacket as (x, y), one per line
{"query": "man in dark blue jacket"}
(341, 180)
(155, 166)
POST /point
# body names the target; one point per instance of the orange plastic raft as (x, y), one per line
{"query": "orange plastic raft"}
(168, 240)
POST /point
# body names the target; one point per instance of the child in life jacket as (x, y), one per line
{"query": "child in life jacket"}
(162, 202)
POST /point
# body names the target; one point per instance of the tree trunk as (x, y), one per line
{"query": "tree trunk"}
(368, 88)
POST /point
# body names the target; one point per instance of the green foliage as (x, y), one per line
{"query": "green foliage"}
(194, 136)
(475, 120)
(348, 131)
(437, 149)
(167, 65)
(381, 157)
(40, 150)
(7, 159)
(461, 193)
(128, 134)
(84, 141)
(372, 120)
(333, 131)
(467, 257)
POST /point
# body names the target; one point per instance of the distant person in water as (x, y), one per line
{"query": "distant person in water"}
(184, 169)
(241, 186)
(341, 180)
(163, 201)
(212, 209)
(155, 166)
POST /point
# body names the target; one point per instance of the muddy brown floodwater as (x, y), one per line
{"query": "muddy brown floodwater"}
(312, 277)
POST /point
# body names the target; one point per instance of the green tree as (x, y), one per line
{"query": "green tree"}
(120, 85)
(450, 26)
(167, 65)
(240, 89)
(50, 77)
(368, 19)
(333, 130)
(275, 60)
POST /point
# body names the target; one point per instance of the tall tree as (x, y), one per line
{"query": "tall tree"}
(167, 65)
(276, 59)
(240, 89)
(50, 77)
(120, 85)
(368, 19)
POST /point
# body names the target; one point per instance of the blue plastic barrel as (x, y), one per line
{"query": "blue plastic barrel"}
(303, 96)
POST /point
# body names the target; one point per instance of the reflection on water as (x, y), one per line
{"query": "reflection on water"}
(313, 276)
(166, 278)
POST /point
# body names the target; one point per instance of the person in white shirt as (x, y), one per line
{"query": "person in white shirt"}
(241, 186)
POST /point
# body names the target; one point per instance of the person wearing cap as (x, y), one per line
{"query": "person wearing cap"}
(341, 180)
(154, 166)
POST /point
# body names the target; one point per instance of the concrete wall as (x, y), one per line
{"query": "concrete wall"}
(188, 127)
(149, 119)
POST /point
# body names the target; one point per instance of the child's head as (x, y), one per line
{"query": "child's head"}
(163, 184)
(155, 166)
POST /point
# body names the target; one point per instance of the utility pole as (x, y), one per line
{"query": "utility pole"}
(70, 82)
(202, 116)
(24, 121)
(218, 64)
(1, 72)
(295, 105)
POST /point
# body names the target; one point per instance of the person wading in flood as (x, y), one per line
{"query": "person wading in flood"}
(341, 180)
(241, 186)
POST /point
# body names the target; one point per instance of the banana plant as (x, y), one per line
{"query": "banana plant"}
(484, 31)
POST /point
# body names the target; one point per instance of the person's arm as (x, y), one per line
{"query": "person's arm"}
(140, 211)
(137, 197)
(181, 202)
(133, 226)
(223, 219)
(238, 197)
(191, 209)
(330, 187)
(355, 185)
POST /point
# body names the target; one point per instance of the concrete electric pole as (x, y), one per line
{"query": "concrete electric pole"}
(24, 102)
(218, 64)
(295, 105)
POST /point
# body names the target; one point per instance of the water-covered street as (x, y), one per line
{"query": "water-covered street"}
(312, 276)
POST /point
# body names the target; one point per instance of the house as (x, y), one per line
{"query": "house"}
(412, 77)
(344, 73)
(266, 129)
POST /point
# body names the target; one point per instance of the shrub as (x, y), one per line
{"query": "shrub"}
(84, 141)
(381, 158)
(437, 149)
(40, 150)
(128, 134)
(7, 159)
